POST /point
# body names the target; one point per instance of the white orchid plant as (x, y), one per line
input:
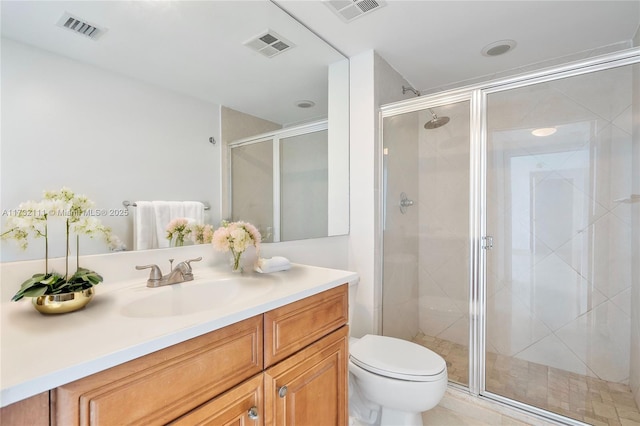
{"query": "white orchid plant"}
(31, 218)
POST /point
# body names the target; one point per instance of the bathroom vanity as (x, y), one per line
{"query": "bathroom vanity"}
(276, 352)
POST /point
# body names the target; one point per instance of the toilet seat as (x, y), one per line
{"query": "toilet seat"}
(397, 358)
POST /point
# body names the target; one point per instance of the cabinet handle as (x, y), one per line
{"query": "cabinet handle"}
(253, 413)
(282, 392)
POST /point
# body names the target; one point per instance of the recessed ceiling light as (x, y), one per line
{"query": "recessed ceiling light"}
(498, 48)
(305, 104)
(544, 131)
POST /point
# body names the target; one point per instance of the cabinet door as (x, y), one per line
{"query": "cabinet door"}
(310, 387)
(32, 411)
(240, 406)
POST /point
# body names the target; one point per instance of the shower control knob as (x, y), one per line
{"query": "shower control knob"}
(282, 392)
(404, 203)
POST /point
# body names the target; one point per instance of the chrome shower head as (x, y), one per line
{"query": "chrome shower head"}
(436, 121)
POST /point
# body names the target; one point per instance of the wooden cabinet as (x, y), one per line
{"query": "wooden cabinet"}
(310, 387)
(232, 376)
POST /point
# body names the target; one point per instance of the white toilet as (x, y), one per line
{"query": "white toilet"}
(392, 381)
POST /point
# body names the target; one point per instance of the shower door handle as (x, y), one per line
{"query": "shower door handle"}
(487, 242)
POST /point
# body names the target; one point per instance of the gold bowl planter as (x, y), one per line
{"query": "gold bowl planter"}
(62, 303)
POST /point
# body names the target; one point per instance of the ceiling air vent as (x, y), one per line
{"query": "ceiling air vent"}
(80, 26)
(269, 43)
(349, 10)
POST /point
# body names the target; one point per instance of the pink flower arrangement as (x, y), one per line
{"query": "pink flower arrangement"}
(201, 234)
(178, 228)
(236, 237)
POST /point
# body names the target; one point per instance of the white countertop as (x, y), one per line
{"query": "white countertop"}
(126, 320)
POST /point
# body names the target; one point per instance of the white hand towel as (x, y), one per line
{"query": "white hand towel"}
(195, 211)
(165, 212)
(144, 226)
(275, 264)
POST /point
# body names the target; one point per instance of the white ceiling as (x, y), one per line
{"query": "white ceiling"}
(438, 43)
(195, 47)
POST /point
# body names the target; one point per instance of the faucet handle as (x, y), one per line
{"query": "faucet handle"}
(155, 273)
(188, 262)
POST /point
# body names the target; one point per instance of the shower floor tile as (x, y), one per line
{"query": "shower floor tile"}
(584, 398)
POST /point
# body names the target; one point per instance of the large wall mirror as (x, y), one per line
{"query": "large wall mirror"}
(138, 100)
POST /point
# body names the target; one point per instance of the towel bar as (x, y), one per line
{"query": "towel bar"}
(127, 203)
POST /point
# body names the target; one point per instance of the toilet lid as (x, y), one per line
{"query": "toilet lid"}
(396, 358)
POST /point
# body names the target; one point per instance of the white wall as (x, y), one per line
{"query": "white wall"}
(361, 187)
(338, 116)
(102, 134)
(373, 82)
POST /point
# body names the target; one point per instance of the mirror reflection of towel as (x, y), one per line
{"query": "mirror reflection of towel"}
(144, 226)
(194, 210)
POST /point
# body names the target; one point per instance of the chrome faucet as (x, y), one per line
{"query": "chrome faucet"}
(181, 273)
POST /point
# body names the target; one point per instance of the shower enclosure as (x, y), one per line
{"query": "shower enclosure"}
(511, 233)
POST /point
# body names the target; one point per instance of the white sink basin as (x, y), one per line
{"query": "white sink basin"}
(196, 296)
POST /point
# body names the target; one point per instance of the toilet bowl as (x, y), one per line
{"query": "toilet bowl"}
(392, 381)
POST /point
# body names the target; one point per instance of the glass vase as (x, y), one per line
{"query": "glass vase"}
(234, 259)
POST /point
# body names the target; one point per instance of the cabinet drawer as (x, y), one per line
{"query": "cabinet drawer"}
(164, 385)
(292, 327)
(231, 408)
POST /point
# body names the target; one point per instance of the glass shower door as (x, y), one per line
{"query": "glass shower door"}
(559, 172)
(426, 231)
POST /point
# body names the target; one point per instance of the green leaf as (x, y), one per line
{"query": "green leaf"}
(43, 284)
(31, 281)
(35, 291)
(51, 280)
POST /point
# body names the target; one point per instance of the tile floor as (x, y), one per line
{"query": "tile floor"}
(458, 408)
(587, 399)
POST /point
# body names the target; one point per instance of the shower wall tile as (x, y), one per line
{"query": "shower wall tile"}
(602, 255)
(556, 293)
(458, 332)
(606, 93)
(444, 225)
(453, 279)
(624, 121)
(438, 245)
(623, 301)
(437, 310)
(552, 352)
(512, 326)
(601, 340)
